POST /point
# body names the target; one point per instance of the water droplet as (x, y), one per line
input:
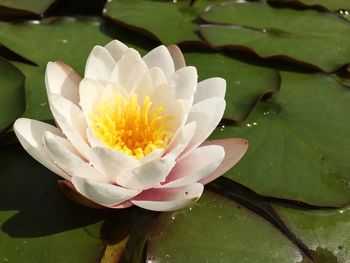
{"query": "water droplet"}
(222, 128)
(173, 218)
(266, 113)
(43, 104)
(249, 125)
(174, 1)
(64, 41)
(238, 82)
(255, 123)
(5, 259)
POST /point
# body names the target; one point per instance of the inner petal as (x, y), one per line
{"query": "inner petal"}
(131, 127)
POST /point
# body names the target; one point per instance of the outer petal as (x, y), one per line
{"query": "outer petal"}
(72, 122)
(161, 58)
(62, 153)
(235, 148)
(110, 162)
(100, 64)
(102, 193)
(207, 115)
(184, 83)
(209, 88)
(177, 56)
(61, 79)
(168, 199)
(196, 166)
(29, 133)
(116, 49)
(129, 69)
(148, 175)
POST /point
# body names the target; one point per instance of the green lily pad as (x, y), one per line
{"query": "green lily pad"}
(217, 229)
(12, 102)
(246, 83)
(168, 21)
(66, 39)
(10, 8)
(309, 37)
(332, 5)
(299, 142)
(325, 232)
(37, 223)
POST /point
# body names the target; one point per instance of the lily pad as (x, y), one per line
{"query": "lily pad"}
(246, 83)
(37, 223)
(325, 232)
(9, 8)
(66, 39)
(331, 5)
(217, 229)
(309, 37)
(168, 21)
(12, 102)
(299, 142)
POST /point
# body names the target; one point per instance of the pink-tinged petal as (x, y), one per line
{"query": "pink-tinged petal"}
(177, 56)
(100, 64)
(197, 165)
(168, 199)
(29, 133)
(64, 156)
(209, 88)
(116, 49)
(72, 122)
(184, 82)
(148, 175)
(110, 162)
(123, 205)
(129, 69)
(181, 139)
(61, 79)
(161, 58)
(101, 193)
(207, 115)
(234, 148)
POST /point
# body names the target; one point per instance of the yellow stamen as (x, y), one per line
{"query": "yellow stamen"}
(130, 128)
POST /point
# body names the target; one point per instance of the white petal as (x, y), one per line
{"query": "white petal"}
(179, 109)
(93, 141)
(93, 93)
(169, 199)
(29, 133)
(207, 115)
(63, 80)
(102, 193)
(100, 64)
(110, 162)
(62, 155)
(213, 87)
(199, 164)
(148, 175)
(161, 58)
(153, 84)
(177, 56)
(235, 148)
(129, 69)
(181, 139)
(72, 122)
(116, 49)
(184, 83)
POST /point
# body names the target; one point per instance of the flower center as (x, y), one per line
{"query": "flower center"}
(130, 128)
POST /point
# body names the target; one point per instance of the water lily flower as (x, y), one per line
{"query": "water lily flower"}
(133, 130)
